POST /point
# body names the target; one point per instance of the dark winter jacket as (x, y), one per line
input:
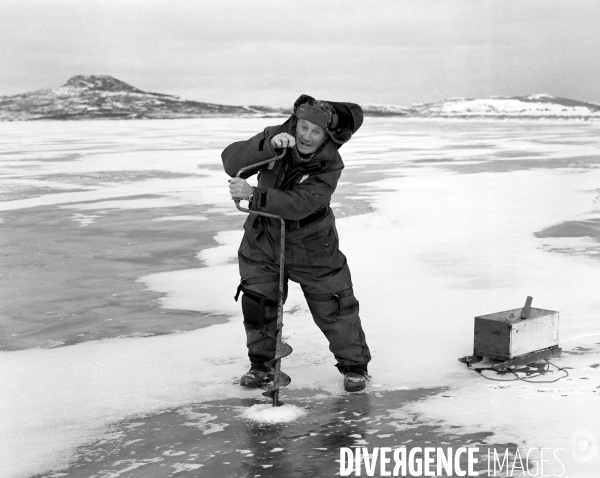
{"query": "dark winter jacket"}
(291, 191)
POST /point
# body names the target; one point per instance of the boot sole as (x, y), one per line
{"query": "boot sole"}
(249, 384)
(254, 382)
(354, 386)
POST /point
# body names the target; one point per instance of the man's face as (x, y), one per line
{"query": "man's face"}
(309, 136)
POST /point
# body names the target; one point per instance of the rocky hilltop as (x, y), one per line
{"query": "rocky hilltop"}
(105, 97)
(102, 96)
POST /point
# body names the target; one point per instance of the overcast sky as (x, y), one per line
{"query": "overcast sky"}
(268, 52)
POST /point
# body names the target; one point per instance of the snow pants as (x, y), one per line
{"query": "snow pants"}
(314, 261)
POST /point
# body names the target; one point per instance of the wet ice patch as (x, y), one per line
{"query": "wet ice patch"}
(149, 203)
(577, 246)
(135, 334)
(83, 219)
(131, 442)
(133, 464)
(202, 421)
(173, 453)
(50, 344)
(181, 218)
(181, 467)
(268, 414)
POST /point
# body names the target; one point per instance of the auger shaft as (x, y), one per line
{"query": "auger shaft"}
(279, 345)
(281, 348)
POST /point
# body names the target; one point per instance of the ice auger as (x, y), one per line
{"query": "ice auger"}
(281, 348)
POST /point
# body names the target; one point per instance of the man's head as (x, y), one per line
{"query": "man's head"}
(315, 118)
(309, 136)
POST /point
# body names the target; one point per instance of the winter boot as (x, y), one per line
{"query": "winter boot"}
(255, 377)
(355, 378)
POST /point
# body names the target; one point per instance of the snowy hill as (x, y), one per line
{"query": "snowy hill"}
(533, 106)
(372, 109)
(102, 96)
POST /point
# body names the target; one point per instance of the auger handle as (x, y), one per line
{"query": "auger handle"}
(256, 166)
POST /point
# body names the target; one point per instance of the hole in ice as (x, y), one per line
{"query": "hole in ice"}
(266, 413)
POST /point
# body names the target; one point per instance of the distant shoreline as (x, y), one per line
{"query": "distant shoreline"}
(477, 117)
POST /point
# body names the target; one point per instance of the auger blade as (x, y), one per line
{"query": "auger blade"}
(284, 381)
(281, 379)
(285, 350)
(272, 389)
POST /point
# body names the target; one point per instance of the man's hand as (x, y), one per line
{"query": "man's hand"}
(239, 189)
(283, 140)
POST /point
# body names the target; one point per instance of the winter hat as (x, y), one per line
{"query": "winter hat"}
(318, 112)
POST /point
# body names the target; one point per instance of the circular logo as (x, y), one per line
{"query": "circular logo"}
(585, 446)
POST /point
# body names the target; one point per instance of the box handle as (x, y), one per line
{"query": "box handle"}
(526, 312)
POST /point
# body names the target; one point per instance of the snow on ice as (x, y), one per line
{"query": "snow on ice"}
(266, 413)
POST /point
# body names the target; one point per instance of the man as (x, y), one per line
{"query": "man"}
(298, 188)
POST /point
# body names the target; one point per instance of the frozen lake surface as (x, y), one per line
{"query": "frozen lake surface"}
(120, 341)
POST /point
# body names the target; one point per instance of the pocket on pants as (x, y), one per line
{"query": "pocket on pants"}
(347, 305)
(332, 310)
(252, 246)
(317, 249)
